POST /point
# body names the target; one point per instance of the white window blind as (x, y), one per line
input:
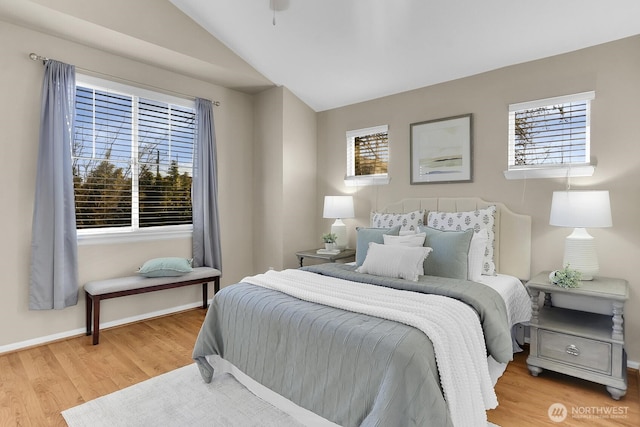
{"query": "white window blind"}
(550, 133)
(367, 156)
(132, 158)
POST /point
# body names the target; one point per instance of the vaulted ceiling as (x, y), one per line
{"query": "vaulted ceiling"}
(330, 53)
(338, 52)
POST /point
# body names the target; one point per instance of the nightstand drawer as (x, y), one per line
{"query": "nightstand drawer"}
(577, 351)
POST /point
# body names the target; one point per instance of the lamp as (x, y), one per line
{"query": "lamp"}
(338, 207)
(581, 209)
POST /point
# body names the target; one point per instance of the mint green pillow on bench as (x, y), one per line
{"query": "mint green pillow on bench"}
(164, 267)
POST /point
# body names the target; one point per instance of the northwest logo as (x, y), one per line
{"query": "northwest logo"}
(557, 412)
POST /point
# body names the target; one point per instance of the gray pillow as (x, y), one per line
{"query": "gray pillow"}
(450, 252)
(367, 235)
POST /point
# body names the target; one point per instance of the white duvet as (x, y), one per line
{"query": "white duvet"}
(513, 293)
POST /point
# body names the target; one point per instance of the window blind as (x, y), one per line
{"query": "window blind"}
(368, 152)
(371, 154)
(166, 134)
(550, 132)
(132, 160)
(101, 155)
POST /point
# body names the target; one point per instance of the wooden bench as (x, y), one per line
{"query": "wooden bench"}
(99, 290)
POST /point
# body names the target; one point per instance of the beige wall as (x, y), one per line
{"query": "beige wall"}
(611, 70)
(277, 159)
(267, 167)
(267, 182)
(285, 179)
(20, 85)
(299, 179)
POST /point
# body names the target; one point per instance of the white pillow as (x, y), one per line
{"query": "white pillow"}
(460, 221)
(411, 240)
(476, 255)
(409, 221)
(396, 261)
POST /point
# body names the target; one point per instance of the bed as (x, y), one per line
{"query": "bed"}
(366, 344)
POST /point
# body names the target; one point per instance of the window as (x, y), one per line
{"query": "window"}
(550, 137)
(367, 156)
(132, 159)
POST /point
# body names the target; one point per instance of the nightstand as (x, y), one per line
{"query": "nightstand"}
(344, 255)
(579, 343)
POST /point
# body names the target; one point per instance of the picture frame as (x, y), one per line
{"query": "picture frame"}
(442, 150)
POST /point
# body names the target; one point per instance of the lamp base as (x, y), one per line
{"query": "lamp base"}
(580, 253)
(339, 228)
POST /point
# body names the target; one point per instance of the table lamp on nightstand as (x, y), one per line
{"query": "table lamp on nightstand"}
(581, 210)
(339, 207)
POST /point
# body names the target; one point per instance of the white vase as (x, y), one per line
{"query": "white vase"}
(329, 246)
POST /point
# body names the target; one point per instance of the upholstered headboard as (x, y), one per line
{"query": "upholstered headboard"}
(512, 246)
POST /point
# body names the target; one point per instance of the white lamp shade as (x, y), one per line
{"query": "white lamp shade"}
(581, 209)
(338, 207)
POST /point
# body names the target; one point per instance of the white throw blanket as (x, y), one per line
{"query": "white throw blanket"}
(452, 326)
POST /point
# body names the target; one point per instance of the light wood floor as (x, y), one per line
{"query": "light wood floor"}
(524, 399)
(36, 384)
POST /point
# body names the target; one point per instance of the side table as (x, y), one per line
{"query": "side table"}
(311, 253)
(579, 343)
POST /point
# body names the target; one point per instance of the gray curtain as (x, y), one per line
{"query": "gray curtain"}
(54, 252)
(204, 192)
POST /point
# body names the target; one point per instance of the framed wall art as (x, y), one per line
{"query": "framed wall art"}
(441, 150)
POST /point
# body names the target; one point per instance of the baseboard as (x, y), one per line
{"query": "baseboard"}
(82, 331)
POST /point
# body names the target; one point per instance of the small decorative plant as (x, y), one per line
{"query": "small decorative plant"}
(566, 278)
(329, 238)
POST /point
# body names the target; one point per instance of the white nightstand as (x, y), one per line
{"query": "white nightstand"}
(578, 343)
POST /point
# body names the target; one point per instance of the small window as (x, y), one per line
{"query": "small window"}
(368, 156)
(132, 158)
(550, 137)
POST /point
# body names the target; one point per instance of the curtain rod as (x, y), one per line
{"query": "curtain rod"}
(36, 57)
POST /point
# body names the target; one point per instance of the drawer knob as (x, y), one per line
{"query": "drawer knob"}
(573, 350)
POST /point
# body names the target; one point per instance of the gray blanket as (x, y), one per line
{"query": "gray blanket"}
(350, 368)
(488, 303)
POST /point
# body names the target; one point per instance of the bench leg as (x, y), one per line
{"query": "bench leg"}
(88, 307)
(96, 320)
(205, 291)
(205, 294)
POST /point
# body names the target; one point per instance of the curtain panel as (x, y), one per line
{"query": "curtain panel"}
(204, 192)
(54, 252)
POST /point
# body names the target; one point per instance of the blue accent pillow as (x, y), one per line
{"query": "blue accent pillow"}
(450, 252)
(163, 267)
(368, 235)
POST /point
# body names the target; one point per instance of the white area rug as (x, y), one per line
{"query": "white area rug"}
(180, 398)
